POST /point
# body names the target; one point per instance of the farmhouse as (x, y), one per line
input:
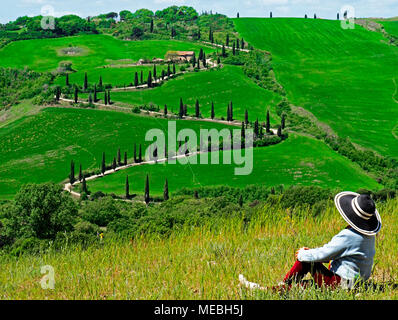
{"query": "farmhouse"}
(180, 55)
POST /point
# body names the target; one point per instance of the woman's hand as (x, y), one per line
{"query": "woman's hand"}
(304, 248)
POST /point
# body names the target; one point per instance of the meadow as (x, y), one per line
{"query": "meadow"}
(311, 163)
(202, 262)
(39, 148)
(98, 50)
(345, 77)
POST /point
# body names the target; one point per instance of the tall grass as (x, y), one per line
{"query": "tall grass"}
(201, 263)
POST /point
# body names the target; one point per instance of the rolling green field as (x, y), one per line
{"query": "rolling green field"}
(98, 50)
(39, 148)
(346, 78)
(390, 26)
(218, 86)
(298, 160)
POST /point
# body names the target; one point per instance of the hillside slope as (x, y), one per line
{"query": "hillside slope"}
(346, 78)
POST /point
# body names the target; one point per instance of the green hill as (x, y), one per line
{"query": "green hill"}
(298, 160)
(346, 78)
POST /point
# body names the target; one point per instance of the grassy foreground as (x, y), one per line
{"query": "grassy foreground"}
(200, 263)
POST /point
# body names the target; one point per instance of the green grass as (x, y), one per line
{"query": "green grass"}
(346, 78)
(218, 86)
(298, 160)
(200, 263)
(100, 50)
(390, 26)
(39, 148)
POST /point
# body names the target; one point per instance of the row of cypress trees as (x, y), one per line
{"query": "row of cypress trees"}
(147, 196)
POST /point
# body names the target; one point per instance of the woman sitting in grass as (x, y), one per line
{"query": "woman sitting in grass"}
(350, 252)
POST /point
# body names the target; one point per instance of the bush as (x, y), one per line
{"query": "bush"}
(101, 212)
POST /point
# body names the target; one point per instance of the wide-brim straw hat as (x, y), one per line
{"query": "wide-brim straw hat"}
(359, 211)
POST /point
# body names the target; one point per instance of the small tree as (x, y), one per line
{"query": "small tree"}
(181, 112)
(231, 112)
(100, 82)
(127, 188)
(223, 53)
(174, 68)
(85, 84)
(268, 124)
(67, 80)
(119, 157)
(136, 79)
(76, 95)
(72, 172)
(90, 100)
(149, 82)
(197, 109)
(212, 111)
(151, 27)
(165, 110)
(109, 97)
(84, 186)
(80, 173)
(57, 93)
(279, 131)
(105, 98)
(147, 195)
(154, 72)
(283, 120)
(166, 191)
(227, 40)
(103, 164)
(270, 14)
(246, 117)
(256, 128)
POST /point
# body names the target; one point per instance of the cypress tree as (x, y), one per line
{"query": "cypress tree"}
(105, 98)
(174, 68)
(243, 43)
(119, 157)
(142, 77)
(268, 125)
(72, 172)
(109, 97)
(165, 110)
(233, 49)
(127, 188)
(283, 120)
(67, 80)
(185, 110)
(246, 117)
(212, 111)
(125, 158)
(223, 53)
(305, 17)
(95, 93)
(201, 54)
(181, 113)
(149, 82)
(315, 16)
(100, 82)
(90, 99)
(227, 41)
(279, 131)
(140, 155)
(163, 74)
(103, 164)
(240, 201)
(228, 113)
(231, 112)
(57, 93)
(242, 131)
(154, 72)
(114, 163)
(166, 191)
(338, 16)
(135, 152)
(168, 71)
(270, 14)
(76, 95)
(197, 109)
(256, 128)
(237, 44)
(80, 173)
(147, 196)
(136, 79)
(85, 85)
(84, 186)
(151, 28)
(237, 15)
(198, 63)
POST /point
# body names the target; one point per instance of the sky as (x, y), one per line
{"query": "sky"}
(327, 9)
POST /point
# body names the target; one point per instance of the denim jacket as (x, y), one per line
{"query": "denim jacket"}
(351, 253)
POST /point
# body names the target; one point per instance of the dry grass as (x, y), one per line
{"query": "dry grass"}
(199, 263)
